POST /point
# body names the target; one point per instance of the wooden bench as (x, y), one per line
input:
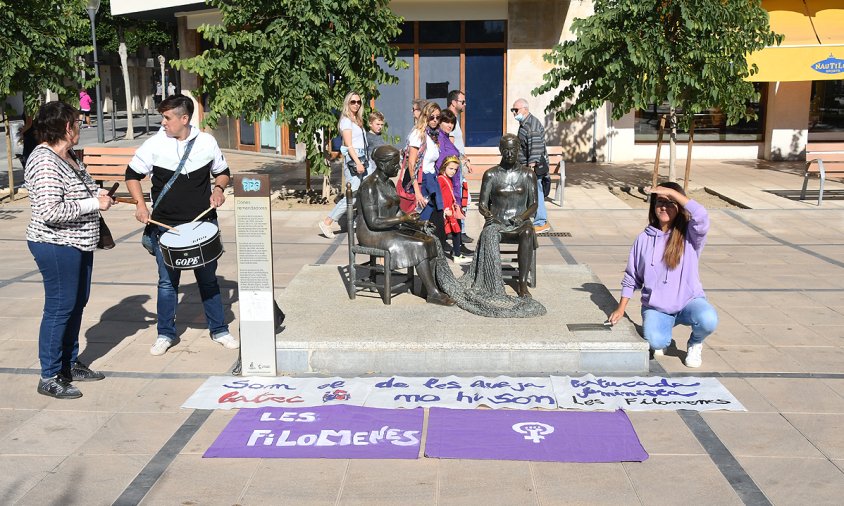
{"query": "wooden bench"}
(822, 158)
(484, 158)
(107, 164)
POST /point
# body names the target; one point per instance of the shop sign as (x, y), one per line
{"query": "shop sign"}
(830, 65)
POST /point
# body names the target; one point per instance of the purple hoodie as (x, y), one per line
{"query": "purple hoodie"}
(667, 291)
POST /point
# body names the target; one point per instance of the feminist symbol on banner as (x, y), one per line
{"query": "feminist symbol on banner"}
(534, 431)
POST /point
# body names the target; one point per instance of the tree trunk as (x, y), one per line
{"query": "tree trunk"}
(672, 144)
(9, 155)
(124, 66)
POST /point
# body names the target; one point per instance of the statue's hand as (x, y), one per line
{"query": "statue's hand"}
(410, 217)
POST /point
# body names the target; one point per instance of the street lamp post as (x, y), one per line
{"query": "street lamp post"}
(92, 7)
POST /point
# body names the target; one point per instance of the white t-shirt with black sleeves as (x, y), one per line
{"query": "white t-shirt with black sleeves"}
(190, 194)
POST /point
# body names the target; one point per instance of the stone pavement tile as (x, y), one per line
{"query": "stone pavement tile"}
(19, 392)
(735, 299)
(818, 359)
(760, 435)
(652, 427)
(748, 396)
(484, 482)
(20, 328)
(796, 480)
(815, 316)
(575, 483)
(788, 299)
(32, 308)
(190, 479)
(135, 357)
(797, 395)
(203, 356)
(826, 432)
(21, 473)
(54, 432)
(22, 354)
(762, 358)
(162, 395)
(11, 418)
(389, 482)
(84, 480)
(730, 332)
(133, 433)
(109, 394)
(757, 315)
(678, 479)
(208, 432)
(790, 334)
(673, 361)
(306, 481)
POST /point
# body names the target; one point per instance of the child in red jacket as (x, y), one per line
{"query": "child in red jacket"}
(452, 213)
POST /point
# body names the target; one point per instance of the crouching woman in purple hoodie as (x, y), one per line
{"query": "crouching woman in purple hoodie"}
(663, 263)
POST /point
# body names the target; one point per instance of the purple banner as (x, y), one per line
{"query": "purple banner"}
(561, 436)
(330, 432)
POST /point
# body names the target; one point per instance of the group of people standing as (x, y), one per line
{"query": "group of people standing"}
(66, 225)
(67, 204)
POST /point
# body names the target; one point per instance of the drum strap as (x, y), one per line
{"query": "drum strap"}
(175, 174)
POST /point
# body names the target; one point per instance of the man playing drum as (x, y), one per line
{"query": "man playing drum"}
(193, 157)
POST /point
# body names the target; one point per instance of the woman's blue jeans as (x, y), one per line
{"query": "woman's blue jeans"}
(168, 294)
(66, 273)
(698, 314)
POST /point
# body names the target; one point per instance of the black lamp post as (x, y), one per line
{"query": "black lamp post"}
(92, 7)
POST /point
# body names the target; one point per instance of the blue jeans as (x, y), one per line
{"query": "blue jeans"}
(541, 216)
(66, 272)
(698, 314)
(168, 294)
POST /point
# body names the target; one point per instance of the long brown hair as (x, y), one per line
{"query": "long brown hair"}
(677, 238)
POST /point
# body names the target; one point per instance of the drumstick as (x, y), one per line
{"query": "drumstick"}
(203, 213)
(172, 229)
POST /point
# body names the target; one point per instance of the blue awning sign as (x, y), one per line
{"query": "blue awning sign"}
(830, 65)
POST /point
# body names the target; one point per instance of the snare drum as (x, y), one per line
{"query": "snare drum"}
(195, 245)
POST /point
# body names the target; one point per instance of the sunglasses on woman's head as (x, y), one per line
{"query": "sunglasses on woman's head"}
(358, 102)
(434, 117)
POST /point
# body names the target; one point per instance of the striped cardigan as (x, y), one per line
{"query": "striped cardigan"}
(63, 211)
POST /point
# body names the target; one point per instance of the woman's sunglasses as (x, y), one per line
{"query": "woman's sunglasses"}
(434, 117)
(665, 203)
(355, 102)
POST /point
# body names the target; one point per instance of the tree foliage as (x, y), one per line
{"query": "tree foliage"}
(36, 49)
(689, 54)
(303, 55)
(155, 35)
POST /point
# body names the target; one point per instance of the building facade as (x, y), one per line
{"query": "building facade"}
(492, 50)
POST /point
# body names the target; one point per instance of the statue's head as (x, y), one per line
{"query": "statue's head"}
(387, 160)
(509, 148)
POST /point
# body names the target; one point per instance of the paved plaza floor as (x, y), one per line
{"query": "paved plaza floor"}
(775, 272)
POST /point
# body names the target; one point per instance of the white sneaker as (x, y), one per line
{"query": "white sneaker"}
(460, 259)
(227, 341)
(326, 230)
(693, 355)
(659, 353)
(160, 347)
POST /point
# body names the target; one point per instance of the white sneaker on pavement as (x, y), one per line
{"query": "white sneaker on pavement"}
(460, 259)
(693, 355)
(659, 353)
(326, 230)
(160, 347)
(227, 341)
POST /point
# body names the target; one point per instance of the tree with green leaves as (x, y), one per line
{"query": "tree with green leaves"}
(689, 54)
(295, 58)
(37, 54)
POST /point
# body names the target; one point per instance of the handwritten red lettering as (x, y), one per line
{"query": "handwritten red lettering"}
(259, 399)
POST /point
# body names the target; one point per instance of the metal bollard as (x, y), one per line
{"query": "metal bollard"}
(113, 121)
(146, 119)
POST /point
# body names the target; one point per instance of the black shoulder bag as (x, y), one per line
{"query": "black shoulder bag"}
(146, 238)
(106, 240)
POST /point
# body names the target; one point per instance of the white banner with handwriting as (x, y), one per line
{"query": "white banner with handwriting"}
(587, 393)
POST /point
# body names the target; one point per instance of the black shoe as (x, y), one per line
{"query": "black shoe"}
(466, 239)
(58, 387)
(80, 372)
(466, 251)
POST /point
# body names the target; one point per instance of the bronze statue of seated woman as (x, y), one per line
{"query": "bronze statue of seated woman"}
(379, 224)
(508, 198)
